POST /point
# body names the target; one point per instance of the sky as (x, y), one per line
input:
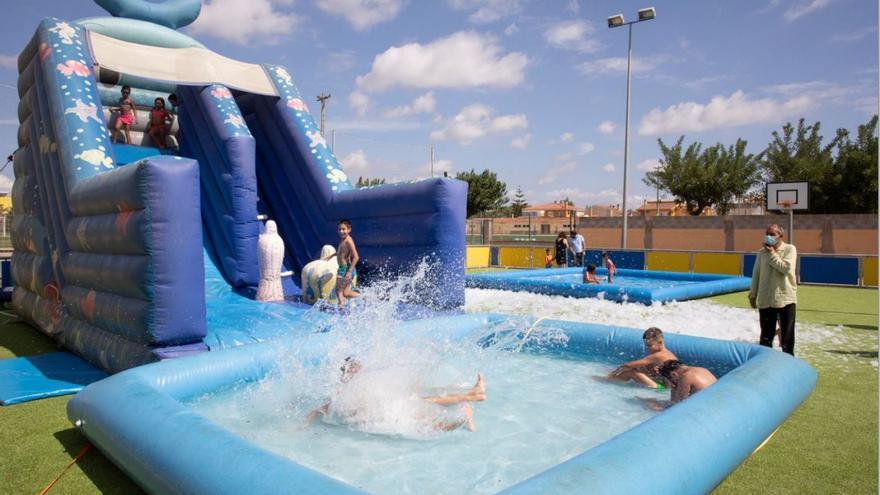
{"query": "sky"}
(534, 90)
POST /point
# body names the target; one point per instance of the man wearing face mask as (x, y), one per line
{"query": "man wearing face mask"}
(774, 288)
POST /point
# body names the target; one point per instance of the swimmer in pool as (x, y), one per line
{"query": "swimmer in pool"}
(645, 371)
(438, 411)
(685, 381)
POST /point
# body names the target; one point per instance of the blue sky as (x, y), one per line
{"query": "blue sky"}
(533, 90)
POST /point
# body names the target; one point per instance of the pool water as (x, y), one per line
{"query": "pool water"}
(618, 281)
(540, 411)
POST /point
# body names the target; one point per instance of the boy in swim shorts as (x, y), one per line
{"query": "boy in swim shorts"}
(347, 256)
(127, 116)
(646, 371)
(685, 381)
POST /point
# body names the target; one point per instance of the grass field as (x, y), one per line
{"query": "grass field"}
(829, 445)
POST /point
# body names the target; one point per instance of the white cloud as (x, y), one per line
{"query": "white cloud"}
(362, 14)
(422, 104)
(476, 121)
(573, 6)
(341, 61)
(618, 65)
(566, 137)
(551, 174)
(521, 142)
(801, 9)
(511, 30)
(9, 61)
(852, 36)
(355, 163)
(580, 196)
(735, 110)
(648, 165)
(486, 11)
(606, 127)
(461, 60)
(9, 121)
(5, 184)
(359, 102)
(572, 35)
(584, 148)
(609, 167)
(244, 21)
(375, 125)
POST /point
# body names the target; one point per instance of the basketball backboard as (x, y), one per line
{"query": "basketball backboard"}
(788, 195)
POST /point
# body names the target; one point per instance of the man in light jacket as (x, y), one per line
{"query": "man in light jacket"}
(774, 288)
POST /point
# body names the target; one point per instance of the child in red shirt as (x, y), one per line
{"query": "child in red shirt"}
(159, 119)
(548, 259)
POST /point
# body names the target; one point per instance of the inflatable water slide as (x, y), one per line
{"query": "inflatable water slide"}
(113, 243)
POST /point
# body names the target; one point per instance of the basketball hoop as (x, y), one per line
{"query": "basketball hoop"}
(785, 205)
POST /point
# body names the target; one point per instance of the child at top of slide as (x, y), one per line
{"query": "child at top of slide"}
(159, 119)
(127, 115)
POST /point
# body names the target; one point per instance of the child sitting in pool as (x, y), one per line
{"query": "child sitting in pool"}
(609, 265)
(590, 274)
(645, 371)
(347, 256)
(685, 381)
(367, 407)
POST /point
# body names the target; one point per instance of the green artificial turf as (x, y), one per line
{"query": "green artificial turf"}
(829, 445)
(37, 441)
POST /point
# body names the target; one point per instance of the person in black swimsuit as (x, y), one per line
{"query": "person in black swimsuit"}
(561, 249)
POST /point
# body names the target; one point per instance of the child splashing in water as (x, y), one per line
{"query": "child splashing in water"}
(368, 407)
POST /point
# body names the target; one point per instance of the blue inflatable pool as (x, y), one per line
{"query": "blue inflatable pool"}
(140, 420)
(628, 285)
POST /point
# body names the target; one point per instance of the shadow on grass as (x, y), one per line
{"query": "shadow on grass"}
(21, 339)
(861, 354)
(107, 478)
(870, 328)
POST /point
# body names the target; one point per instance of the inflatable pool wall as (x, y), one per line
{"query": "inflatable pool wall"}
(109, 239)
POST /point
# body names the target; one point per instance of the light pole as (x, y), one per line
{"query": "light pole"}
(613, 22)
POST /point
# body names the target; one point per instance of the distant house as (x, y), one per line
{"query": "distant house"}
(669, 208)
(552, 210)
(603, 211)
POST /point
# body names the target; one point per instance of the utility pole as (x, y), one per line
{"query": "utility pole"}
(322, 99)
(432, 160)
(333, 141)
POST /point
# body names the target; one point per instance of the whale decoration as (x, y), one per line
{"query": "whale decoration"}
(170, 13)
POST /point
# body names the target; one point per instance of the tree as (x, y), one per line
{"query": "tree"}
(366, 182)
(519, 203)
(567, 201)
(799, 156)
(856, 168)
(485, 192)
(701, 178)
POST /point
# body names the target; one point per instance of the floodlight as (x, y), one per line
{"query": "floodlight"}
(647, 14)
(615, 21)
